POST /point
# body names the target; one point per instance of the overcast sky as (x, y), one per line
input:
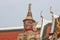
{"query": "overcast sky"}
(12, 12)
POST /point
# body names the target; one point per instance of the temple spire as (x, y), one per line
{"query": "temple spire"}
(29, 15)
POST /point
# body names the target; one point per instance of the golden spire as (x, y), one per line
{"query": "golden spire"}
(29, 15)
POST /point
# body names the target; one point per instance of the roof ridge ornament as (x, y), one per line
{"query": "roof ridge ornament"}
(51, 11)
(41, 14)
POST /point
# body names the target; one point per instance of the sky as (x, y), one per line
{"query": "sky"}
(13, 12)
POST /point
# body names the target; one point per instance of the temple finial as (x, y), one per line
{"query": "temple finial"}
(51, 11)
(41, 14)
(50, 7)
